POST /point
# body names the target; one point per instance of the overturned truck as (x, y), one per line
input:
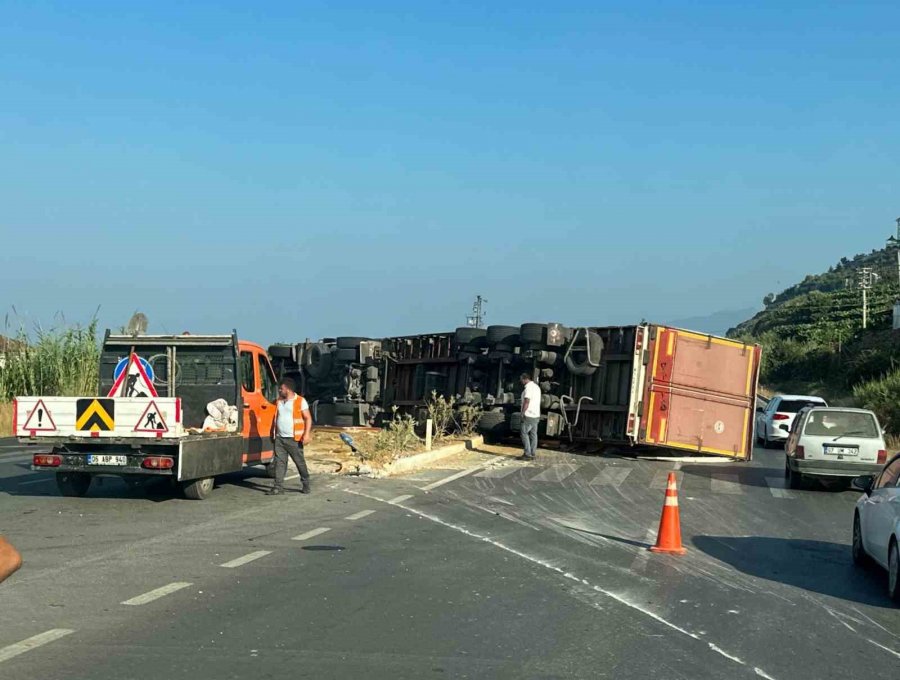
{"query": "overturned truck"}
(643, 385)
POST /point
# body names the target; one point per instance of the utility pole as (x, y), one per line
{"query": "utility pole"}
(476, 319)
(865, 284)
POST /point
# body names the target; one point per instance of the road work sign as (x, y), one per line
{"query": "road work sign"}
(137, 383)
(152, 420)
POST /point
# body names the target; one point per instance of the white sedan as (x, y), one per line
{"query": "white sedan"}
(876, 523)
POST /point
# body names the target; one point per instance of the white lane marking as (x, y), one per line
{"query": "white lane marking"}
(555, 473)
(360, 515)
(241, 561)
(451, 478)
(661, 478)
(36, 481)
(777, 487)
(722, 483)
(499, 472)
(621, 599)
(761, 673)
(158, 593)
(292, 477)
(311, 534)
(398, 499)
(611, 477)
(887, 649)
(9, 652)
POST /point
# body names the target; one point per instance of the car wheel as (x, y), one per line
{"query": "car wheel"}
(860, 558)
(894, 571)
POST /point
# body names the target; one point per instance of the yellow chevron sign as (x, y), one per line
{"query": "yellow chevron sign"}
(96, 415)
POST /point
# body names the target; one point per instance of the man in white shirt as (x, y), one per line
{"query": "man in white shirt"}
(292, 429)
(531, 416)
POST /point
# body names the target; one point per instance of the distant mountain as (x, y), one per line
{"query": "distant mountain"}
(717, 323)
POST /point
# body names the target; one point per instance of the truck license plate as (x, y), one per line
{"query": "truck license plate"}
(105, 459)
(841, 450)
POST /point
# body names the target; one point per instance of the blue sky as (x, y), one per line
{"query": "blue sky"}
(299, 169)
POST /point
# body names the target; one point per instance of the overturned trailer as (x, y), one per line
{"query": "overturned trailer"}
(644, 385)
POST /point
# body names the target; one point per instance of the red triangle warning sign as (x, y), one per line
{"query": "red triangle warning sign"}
(152, 420)
(40, 420)
(133, 382)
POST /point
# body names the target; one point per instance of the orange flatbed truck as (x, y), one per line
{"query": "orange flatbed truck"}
(158, 431)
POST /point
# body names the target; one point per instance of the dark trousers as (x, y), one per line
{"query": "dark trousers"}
(529, 433)
(284, 447)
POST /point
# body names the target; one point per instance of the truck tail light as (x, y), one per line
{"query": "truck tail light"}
(780, 416)
(882, 457)
(44, 460)
(158, 463)
(800, 453)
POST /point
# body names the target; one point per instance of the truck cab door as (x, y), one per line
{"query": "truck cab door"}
(258, 412)
(268, 395)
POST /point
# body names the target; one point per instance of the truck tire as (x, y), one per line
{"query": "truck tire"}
(73, 484)
(198, 489)
(319, 361)
(502, 335)
(533, 333)
(281, 351)
(349, 342)
(579, 363)
(346, 355)
(343, 421)
(344, 409)
(493, 424)
(468, 336)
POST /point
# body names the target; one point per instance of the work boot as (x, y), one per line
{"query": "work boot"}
(275, 491)
(305, 488)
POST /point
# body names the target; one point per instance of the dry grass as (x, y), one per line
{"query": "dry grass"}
(6, 411)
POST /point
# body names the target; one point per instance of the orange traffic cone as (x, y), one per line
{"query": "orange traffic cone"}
(669, 538)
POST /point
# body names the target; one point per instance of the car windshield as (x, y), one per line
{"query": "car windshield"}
(841, 424)
(796, 405)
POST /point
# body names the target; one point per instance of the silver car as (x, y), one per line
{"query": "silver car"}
(876, 523)
(833, 444)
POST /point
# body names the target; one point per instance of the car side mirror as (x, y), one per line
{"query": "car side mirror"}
(863, 483)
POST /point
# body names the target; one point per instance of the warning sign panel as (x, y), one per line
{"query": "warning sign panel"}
(152, 420)
(96, 415)
(136, 381)
(40, 420)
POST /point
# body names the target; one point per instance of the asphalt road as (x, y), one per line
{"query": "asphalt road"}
(498, 570)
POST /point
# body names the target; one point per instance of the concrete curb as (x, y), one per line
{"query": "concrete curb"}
(419, 460)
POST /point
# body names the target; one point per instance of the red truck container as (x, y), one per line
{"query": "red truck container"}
(668, 388)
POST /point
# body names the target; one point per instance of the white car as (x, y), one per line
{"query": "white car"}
(876, 523)
(773, 423)
(833, 444)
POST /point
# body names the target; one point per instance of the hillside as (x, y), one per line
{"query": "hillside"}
(813, 339)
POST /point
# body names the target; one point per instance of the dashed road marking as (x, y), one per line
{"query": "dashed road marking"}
(722, 483)
(241, 561)
(451, 478)
(158, 593)
(311, 534)
(292, 477)
(555, 473)
(499, 472)
(400, 499)
(611, 476)
(777, 487)
(360, 515)
(640, 561)
(661, 478)
(34, 642)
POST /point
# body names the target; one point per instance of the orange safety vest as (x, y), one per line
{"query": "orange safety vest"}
(299, 422)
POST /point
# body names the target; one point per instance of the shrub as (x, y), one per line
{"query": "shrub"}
(397, 438)
(469, 417)
(883, 397)
(440, 410)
